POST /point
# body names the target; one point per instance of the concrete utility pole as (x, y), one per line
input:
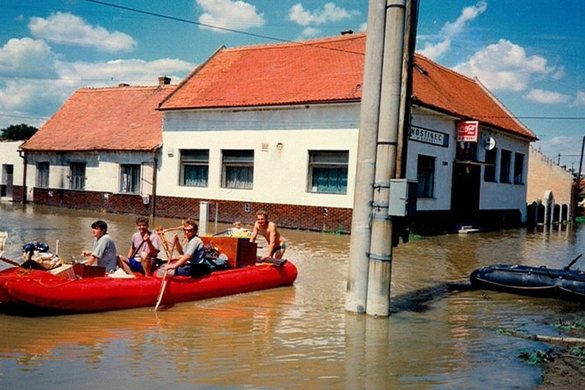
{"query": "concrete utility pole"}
(379, 278)
(357, 280)
(370, 269)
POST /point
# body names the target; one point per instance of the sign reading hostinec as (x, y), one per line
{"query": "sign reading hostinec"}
(428, 136)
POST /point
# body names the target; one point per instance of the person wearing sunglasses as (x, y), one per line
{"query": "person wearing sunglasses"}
(192, 261)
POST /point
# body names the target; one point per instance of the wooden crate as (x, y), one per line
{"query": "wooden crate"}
(240, 251)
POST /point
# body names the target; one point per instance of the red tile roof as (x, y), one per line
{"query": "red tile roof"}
(326, 71)
(117, 118)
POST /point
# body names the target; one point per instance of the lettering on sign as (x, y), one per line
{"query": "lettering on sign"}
(427, 136)
(467, 131)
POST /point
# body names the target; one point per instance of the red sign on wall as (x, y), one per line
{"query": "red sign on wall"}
(467, 131)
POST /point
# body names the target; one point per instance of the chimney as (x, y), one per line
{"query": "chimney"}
(164, 80)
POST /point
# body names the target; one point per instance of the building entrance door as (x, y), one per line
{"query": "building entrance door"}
(465, 191)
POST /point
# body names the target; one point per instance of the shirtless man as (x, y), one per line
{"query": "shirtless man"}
(276, 243)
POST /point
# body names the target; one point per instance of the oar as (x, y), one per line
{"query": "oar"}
(574, 261)
(11, 262)
(162, 290)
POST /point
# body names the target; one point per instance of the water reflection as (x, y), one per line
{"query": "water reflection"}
(438, 336)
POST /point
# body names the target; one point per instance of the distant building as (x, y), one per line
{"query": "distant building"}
(99, 151)
(12, 170)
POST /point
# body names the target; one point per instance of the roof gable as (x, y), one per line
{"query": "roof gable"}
(327, 71)
(118, 118)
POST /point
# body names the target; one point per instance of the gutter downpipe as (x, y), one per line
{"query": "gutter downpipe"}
(22, 154)
(578, 185)
(380, 269)
(154, 183)
(357, 278)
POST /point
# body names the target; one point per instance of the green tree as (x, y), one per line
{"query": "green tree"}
(18, 132)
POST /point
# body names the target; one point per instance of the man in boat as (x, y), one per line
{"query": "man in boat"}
(276, 242)
(192, 261)
(144, 248)
(104, 249)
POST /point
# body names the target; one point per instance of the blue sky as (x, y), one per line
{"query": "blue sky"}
(529, 53)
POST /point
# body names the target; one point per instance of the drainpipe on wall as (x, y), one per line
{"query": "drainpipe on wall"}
(154, 177)
(22, 155)
(578, 184)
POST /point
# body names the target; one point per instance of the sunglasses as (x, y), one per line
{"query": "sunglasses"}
(188, 230)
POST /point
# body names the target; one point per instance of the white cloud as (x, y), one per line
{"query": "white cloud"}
(451, 30)
(133, 71)
(26, 57)
(579, 99)
(505, 66)
(35, 83)
(234, 15)
(309, 32)
(329, 13)
(546, 97)
(68, 29)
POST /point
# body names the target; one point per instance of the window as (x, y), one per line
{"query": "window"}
(77, 176)
(194, 168)
(505, 160)
(518, 168)
(130, 178)
(425, 175)
(43, 174)
(328, 171)
(489, 173)
(237, 169)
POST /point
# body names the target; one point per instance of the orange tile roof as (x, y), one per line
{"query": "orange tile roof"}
(117, 118)
(326, 71)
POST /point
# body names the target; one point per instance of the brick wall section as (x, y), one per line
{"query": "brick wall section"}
(286, 216)
(545, 175)
(91, 200)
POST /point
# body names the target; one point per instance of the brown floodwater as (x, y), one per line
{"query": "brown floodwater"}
(293, 337)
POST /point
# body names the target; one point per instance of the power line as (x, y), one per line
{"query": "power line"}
(210, 26)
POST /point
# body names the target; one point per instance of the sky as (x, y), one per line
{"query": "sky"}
(529, 53)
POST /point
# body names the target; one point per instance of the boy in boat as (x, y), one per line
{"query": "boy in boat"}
(276, 242)
(192, 262)
(104, 249)
(144, 248)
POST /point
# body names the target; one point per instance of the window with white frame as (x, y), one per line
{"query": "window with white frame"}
(518, 168)
(130, 178)
(505, 161)
(77, 175)
(425, 176)
(42, 174)
(237, 169)
(328, 171)
(194, 168)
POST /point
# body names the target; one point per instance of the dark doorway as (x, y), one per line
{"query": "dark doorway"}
(465, 192)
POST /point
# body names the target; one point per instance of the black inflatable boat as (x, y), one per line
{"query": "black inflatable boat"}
(528, 280)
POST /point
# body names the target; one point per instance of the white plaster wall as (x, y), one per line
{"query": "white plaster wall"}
(280, 176)
(102, 168)
(497, 196)
(443, 163)
(9, 156)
